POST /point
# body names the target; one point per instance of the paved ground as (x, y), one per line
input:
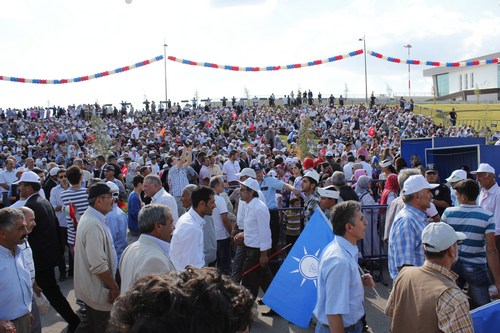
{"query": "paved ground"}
(378, 322)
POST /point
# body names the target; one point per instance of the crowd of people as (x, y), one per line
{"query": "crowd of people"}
(116, 197)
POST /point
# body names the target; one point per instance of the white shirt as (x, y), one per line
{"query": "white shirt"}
(490, 200)
(186, 247)
(230, 169)
(348, 170)
(55, 200)
(7, 177)
(220, 208)
(162, 197)
(242, 211)
(257, 230)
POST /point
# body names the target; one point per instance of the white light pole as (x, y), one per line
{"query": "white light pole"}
(366, 77)
(408, 46)
(165, 64)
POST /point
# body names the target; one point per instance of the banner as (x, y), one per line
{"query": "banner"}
(293, 291)
(470, 63)
(486, 319)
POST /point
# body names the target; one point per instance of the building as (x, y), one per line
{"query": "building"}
(467, 83)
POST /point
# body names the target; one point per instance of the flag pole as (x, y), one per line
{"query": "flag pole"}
(374, 290)
(270, 257)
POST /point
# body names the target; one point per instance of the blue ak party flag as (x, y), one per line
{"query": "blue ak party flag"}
(293, 291)
(486, 319)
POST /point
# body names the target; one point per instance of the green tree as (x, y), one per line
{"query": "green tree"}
(101, 144)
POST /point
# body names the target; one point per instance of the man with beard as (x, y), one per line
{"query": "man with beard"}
(427, 299)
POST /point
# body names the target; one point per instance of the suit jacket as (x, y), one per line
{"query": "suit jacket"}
(142, 258)
(44, 239)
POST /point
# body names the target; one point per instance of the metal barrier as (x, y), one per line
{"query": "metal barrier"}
(373, 253)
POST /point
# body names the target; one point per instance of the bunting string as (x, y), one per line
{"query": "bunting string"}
(85, 77)
(470, 63)
(265, 68)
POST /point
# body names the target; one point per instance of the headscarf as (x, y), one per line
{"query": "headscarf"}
(362, 185)
(391, 185)
(358, 173)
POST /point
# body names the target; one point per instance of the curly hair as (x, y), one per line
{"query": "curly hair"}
(193, 300)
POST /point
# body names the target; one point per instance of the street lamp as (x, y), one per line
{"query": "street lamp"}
(408, 46)
(366, 79)
(165, 64)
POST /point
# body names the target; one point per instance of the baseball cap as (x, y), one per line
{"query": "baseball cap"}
(431, 167)
(484, 167)
(98, 189)
(328, 192)
(439, 236)
(54, 171)
(109, 168)
(257, 168)
(416, 183)
(248, 172)
(456, 176)
(113, 187)
(313, 175)
(385, 163)
(251, 183)
(28, 177)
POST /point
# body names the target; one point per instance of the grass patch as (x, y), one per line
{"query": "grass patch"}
(476, 115)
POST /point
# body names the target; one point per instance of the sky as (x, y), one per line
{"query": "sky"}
(55, 39)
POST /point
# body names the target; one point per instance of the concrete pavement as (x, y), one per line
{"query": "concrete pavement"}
(377, 321)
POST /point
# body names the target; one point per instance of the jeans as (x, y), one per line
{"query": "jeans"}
(478, 281)
(356, 328)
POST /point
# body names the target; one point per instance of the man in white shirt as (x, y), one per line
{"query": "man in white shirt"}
(223, 227)
(150, 254)
(187, 240)
(154, 190)
(256, 237)
(7, 177)
(489, 198)
(231, 167)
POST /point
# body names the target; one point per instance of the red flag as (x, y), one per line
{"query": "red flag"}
(160, 134)
(42, 137)
(72, 214)
(252, 127)
(371, 131)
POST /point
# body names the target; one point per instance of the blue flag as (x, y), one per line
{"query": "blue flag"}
(293, 291)
(486, 319)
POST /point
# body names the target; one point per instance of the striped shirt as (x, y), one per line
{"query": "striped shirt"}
(475, 222)
(79, 199)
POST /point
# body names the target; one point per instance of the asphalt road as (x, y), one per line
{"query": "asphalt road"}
(374, 304)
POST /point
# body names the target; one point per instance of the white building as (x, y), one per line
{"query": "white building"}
(462, 83)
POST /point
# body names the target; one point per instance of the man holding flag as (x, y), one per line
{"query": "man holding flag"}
(339, 307)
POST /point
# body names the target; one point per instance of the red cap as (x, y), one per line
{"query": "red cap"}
(308, 163)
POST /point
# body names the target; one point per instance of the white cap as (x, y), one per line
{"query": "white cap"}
(456, 176)
(54, 171)
(328, 192)
(28, 177)
(439, 236)
(484, 167)
(251, 183)
(249, 172)
(385, 163)
(416, 183)
(313, 175)
(113, 187)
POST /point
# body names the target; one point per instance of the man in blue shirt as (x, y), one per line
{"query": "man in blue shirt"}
(405, 243)
(15, 284)
(339, 307)
(269, 186)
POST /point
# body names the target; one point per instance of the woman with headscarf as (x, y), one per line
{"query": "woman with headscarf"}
(391, 190)
(371, 242)
(357, 174)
